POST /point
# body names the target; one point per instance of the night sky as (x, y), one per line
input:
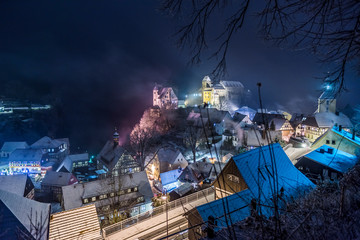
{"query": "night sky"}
(100, 60)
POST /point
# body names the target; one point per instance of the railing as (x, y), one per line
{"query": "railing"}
(129, 222)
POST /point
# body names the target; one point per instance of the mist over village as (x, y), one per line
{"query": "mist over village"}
(179, 119)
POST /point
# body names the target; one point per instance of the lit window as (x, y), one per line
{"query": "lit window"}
(85, 200)
(103, 196)
(140, 199)
(93, 199)
(135, 189)
(112, 194)
(129, 190)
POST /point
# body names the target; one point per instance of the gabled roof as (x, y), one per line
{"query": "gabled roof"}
(311, 121)
(258, 166)
(26, 155)
(267, 117)
(168, 155)
(11, 146)
(16, 184)
(328, 119)
(110, 154)
(337, 160)
(73, 195)
(170, 176)
(46, 142)
(278, 122)
(67, 163)
(28, 212)
(80, 223)
(238, 117)
(231, 84)
(58, 179)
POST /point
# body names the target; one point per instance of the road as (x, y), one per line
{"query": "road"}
(155, 227)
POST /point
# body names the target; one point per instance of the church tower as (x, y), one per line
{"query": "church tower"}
(327, 100)
(206, 90)
(116, 138)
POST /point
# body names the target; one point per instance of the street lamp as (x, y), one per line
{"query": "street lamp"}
(167, 223)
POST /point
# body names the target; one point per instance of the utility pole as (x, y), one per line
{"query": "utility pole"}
(166, 209)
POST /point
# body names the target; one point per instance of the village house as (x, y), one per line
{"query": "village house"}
(248, 178)
(338, 138)
(54, 181)
(253, 137)
(23, 218)
(53, 149)
(326, 162)
(115, 160)
(196, 172)
(164, 97)
(114, 197)
(20, 184)
(325, 117)
(9, 147)
(79, 223)
(25, 161)
(245, 110)
(74, 162)
(169, 180)
(165, 159)
(283, 125)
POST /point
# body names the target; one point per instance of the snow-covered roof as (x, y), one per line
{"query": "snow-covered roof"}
(11, 146)
(337, 160)
(28, 212)
(170, 176)
(245, 109)
(328, 119)
(74, 194)
(58, 179)
(46, 142)
(110, 154)
(67, 163)
(347, 135)
(168, 155)
(236, 205)
(253, 137)
(258, 166)
(26, 155)
(15, 183)
(80, 223)
(183, 189)
(231, 84)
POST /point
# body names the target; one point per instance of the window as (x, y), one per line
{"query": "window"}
(121, 192)
(102, 196)
(135, 189)
(140, 199)
(143, 207)
(112, 194)
(93, 199)
(233, 178)
(85, 200)
(327, 142)
(129, 190)
(333, 142)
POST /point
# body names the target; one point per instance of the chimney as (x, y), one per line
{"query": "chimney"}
(340, 128)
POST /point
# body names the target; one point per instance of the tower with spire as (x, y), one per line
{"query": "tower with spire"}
(116, 138)
(327, 100)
